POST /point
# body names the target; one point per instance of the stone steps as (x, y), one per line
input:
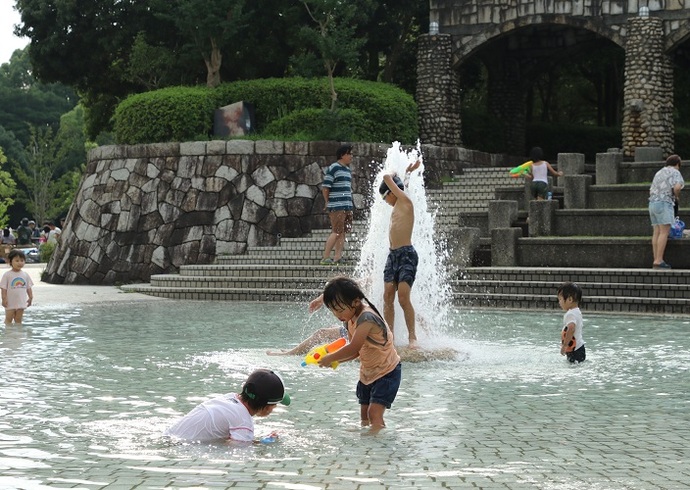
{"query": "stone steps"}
(290, 271)
(605, 290)
(604, 304)
(284, 271)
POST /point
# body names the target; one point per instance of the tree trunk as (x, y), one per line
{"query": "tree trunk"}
(213, 63)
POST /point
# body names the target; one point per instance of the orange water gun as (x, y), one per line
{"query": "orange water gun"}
(521, 169)
(319, 351)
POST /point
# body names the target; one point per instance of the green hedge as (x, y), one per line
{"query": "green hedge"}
(169, 114)
(320, 124)
(185, 113)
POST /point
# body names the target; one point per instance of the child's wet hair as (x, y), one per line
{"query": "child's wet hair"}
(15, 252)
(536, 154)
(342, 292)
(384, 189)
(570, 290)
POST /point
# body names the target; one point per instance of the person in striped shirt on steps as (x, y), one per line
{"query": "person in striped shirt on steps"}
(337, 196)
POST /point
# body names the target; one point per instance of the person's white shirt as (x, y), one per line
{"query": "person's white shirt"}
(53, 235)
(221, 418)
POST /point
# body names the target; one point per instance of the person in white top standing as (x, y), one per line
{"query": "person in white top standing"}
(538, 174)
(572, 343)
(229, 417)
(16, 285)
(664, 191)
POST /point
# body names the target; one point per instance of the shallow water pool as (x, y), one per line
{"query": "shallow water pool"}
(86, 391)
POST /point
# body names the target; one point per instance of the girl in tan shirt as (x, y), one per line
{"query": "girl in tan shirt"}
(372, 341)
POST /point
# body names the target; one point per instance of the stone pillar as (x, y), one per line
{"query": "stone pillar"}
(502, 214)
(438, 92)
(648, 88)
(465, 241)
(649, 154)
(607, 168)
(570, 164)
(541, 217)
(504, 246)
(576, 190)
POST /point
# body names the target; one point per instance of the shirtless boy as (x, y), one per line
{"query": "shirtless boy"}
(401, 265)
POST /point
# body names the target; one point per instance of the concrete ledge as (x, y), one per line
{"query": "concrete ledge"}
(599, 252)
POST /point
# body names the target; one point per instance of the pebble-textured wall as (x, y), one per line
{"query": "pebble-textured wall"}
(474, 24)
(648, 90)
(148, 209)
(438, 93)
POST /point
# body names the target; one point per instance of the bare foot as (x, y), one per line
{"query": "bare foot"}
(413, 345)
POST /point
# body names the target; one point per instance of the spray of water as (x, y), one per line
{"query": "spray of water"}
(431, 293)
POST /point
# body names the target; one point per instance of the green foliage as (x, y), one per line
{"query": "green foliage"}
(321, 124)
(169, 114)
(149, 66)
(209, 26)
(184, 113)
(7, 191)
(49, 177)
(24, 101)
(45, 251)
(332, 34)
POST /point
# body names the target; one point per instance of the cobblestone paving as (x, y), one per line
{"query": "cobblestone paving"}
(508, 414)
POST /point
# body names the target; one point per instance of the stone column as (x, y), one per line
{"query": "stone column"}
(570, 164)
(504, 246)
(648, 89)
(438, 92)
(576, 190)
(541, 217)
(607, 168)
(502, 214)
(465, 242)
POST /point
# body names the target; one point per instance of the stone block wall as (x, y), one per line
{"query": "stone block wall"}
(148, 209)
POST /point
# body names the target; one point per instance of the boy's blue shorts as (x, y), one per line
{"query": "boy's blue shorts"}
(401, 265)
(381, 391)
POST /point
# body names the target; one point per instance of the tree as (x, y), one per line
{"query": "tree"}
(7, 190)
(390, 51)
(334, 35)
(38, 174)
(25, 101)
(84, 45)
(210, 26)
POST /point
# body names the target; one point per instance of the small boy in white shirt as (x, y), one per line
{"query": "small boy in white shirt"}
(572, 344)
(229, 417)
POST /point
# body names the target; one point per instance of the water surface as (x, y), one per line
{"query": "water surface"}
(85, 393)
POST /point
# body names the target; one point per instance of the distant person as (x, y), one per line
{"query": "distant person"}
(229, 417)
(572, 344)
(663, 193)
(538, 174)
(401, 265)
(8, 238)
(35, 232)
(16, 286)
(24, 233)
(337, 195)
(371, 341)
(53, 233)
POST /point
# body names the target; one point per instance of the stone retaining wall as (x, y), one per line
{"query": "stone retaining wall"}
(148, 209)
